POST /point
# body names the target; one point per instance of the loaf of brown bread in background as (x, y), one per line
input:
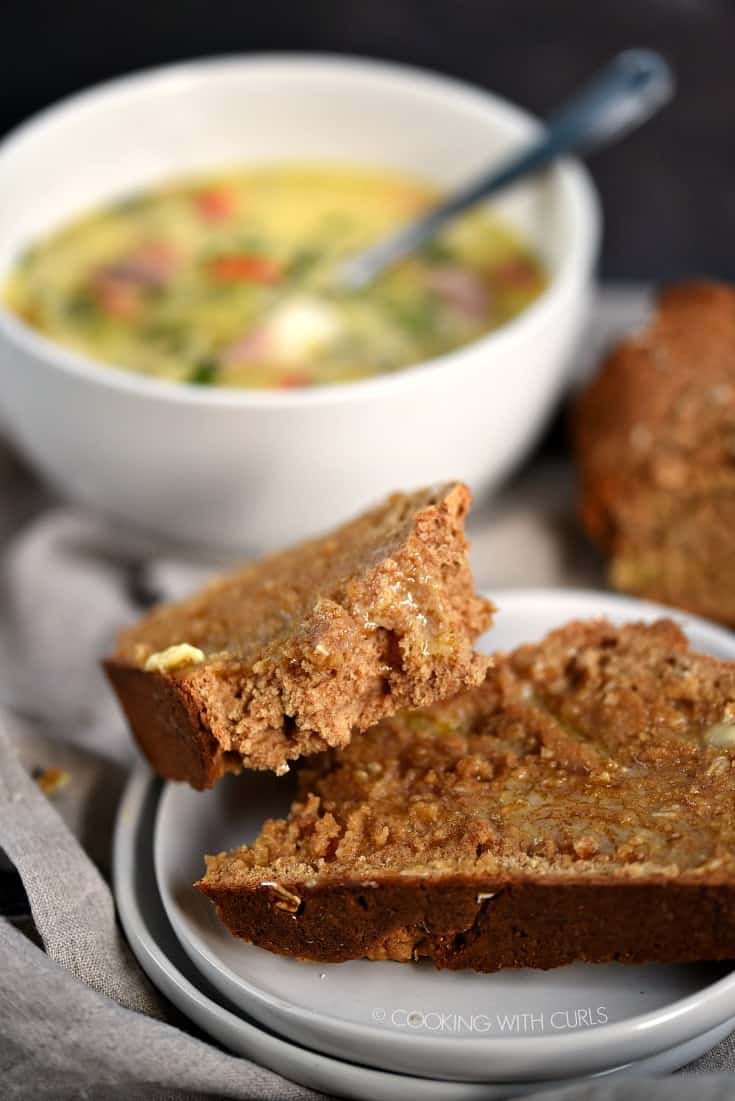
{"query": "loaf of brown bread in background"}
(654, 435)
(293, 653)
(578, 805)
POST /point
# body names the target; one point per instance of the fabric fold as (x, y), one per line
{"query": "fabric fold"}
(71, 904)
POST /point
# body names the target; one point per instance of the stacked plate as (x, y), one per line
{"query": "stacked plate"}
(369, 1030)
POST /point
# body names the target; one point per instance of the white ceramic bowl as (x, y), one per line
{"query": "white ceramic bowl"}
(255, 469)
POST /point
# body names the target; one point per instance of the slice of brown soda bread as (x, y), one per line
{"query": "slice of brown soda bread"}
(578, 805)
(296, 652)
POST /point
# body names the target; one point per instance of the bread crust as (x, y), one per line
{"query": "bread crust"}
(169, 723)
(540, 924)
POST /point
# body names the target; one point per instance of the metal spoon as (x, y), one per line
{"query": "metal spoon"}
(631, 88)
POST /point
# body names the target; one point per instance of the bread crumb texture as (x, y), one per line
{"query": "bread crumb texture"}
(593, 759)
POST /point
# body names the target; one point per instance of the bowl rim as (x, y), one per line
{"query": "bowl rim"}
(577, 190)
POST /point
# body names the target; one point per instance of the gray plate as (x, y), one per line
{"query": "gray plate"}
(162, 958)
(510, 1026)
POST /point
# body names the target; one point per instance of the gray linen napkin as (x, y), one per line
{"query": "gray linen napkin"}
(77, 1016)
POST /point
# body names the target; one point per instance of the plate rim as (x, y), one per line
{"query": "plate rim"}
(587, 1051)
(197, 1005)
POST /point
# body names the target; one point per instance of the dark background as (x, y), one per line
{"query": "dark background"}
(668, 191)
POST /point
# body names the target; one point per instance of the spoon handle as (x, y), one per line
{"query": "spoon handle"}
(623, 95)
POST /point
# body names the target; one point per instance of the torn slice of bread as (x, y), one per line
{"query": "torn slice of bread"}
(294, 653)
(654, 435)
(579, 805)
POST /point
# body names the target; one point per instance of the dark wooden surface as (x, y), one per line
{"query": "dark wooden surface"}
(668, 191)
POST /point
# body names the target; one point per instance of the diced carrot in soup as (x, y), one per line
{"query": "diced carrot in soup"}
(293, 381)
(216, 204)
(239, 268)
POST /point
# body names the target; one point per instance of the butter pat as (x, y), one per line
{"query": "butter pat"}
(721, 734)
(301, 328)
(174, 657)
